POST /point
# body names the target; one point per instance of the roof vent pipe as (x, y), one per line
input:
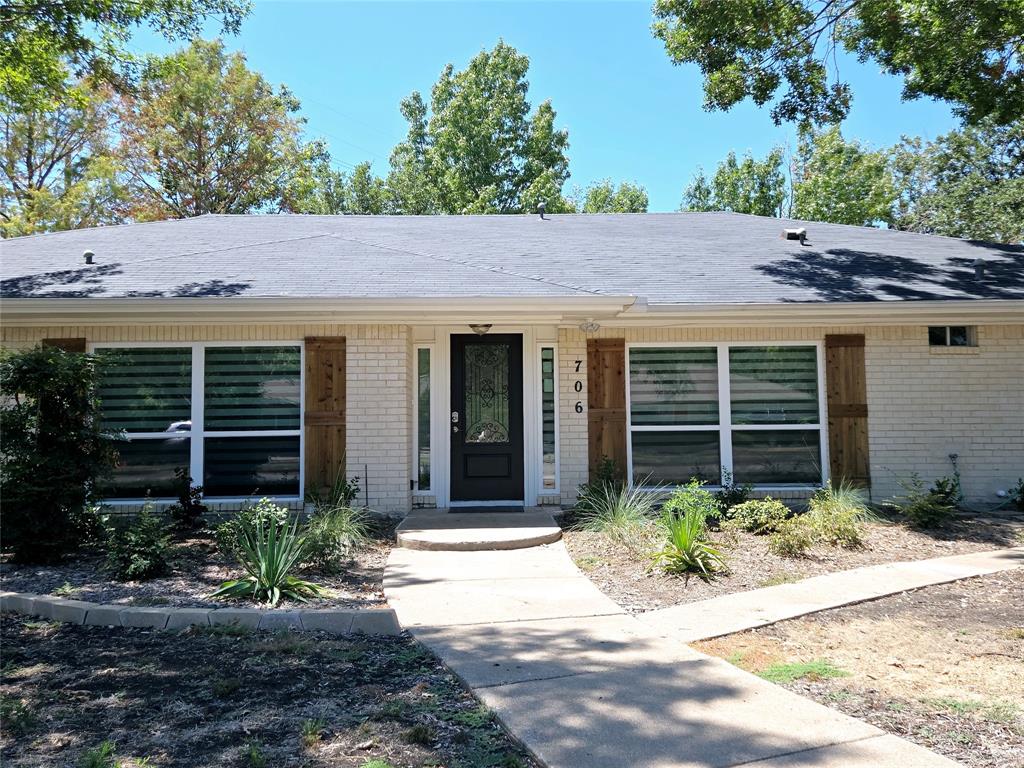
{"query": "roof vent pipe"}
(541, 207)
(795, 234)
(88, 256)
(979, 269)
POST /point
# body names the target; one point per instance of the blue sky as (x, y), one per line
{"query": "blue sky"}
(630, 113)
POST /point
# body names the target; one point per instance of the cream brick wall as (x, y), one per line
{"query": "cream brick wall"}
(925, 403)
(378, 408)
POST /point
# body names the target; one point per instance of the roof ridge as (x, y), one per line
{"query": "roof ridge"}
(470, 265)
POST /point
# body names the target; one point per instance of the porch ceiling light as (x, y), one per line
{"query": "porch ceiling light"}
(589, 326)
(480, 328)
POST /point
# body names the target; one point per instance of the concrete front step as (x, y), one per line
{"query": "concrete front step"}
(445, 530)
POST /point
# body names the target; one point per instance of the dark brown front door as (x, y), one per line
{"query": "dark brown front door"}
(487, 418)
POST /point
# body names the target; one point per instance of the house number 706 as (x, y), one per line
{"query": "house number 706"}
(578, 386)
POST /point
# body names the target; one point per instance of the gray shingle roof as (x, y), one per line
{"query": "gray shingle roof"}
(685, 258)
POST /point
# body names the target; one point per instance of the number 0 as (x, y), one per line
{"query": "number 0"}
(578, 386)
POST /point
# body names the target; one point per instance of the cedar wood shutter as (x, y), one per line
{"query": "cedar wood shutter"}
(68, 345)
(846, 385)
(324, 411)
(606, 402)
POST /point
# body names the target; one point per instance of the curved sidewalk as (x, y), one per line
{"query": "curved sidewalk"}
(584, 685)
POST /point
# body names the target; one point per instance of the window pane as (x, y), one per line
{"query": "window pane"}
(251, 466)
(250, 388)
(958, 336)
(674, 457)
(784, 456)
(547, 402)
(774, 385)
(937, 335)
(146, 389)
(147, 467)
(486, 391)
(423, 418)
(673, 386)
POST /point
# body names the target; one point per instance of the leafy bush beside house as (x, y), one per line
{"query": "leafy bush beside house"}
(137, 548)
(53, 452)
(336, 528)
(758, 516)
(691, 497)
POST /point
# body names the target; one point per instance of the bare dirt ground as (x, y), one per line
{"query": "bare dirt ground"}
(197, 569)
(231, 698)
(626, 576)
(941, 666)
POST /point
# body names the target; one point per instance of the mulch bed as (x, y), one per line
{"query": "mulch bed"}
(215, 697)
(940, 666)
(626, 576)
(197, 569)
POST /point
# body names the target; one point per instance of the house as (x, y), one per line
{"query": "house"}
(494, 360)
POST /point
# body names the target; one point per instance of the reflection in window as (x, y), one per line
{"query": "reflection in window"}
(251, 466)
(674, 385)
(252, 388)
(145, 389)
(776, 457)
(549, 481)
(146, 467)
(774, 385)
(674, 458)
(423, 419)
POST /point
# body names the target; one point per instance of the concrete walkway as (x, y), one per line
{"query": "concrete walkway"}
(583, 684)
(756, 608)
(442, 529)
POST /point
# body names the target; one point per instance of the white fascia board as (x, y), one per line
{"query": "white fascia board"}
(239, 310)
(944, 312)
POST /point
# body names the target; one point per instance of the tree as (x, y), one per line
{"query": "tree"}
(206, 134)
(839, 181)
(749, 186)
(967, 52)
(967, 183)
(409, 190)
(57, 166)
(480, 150)
(604, 197)
(42, 42)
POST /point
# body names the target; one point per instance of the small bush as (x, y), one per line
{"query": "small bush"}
(101, 756)
(692, 497)
(188, 512)
(230, 533)
(793, 538)
(731, 495)
(335, 529)
(269, 552)
(312, 731)
(838, 514)
(17, 717)
(137, 548)
(619, 512)
(926, 508)
(687, 548)
(757, 516)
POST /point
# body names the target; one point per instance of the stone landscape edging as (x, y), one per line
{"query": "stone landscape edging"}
(339, 621)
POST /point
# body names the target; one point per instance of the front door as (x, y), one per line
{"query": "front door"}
(487, 418)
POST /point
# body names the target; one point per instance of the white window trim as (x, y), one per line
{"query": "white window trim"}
(416, 490)
(197, 433)
(724, 426)
(539, 420)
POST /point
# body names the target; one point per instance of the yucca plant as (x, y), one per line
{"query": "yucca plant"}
(268, 552)
(621, 513)
(687, 548)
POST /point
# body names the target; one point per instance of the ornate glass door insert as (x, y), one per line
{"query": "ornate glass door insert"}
(486, 393)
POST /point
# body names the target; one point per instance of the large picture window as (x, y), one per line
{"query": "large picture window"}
(704, 410)
(229, 414)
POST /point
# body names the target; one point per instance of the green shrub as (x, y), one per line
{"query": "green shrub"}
(53, 454)
(793, 538)
(731, 495)
(188, 512)
(101, 756)
(687, 548)
(335, 529)
(692, 497)
(618, 511)
(137, 548)
(229, 534)
(606, 475)
(926, 508)
(268, 552)
(1017, 494)
(757, 516)
(838, 514)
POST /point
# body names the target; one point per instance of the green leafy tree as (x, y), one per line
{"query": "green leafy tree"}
(604, 197)
(364, 192)
(967, 183)
(42, 42)
(57, 166)
(840, 181)
(53, 452)
(966, 52)
(743, 186)
(206, 134)
(481, 150)
(409, 189)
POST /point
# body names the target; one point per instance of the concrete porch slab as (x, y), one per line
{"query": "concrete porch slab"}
(446, 530)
